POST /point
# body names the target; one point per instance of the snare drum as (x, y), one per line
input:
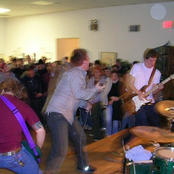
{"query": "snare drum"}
(163, 160)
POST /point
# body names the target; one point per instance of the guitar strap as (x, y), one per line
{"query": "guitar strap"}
(22, 123)
(151, 77)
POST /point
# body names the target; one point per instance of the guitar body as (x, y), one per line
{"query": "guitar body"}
(26, 145)
(139, 103)
(133, 104)
(128, 104)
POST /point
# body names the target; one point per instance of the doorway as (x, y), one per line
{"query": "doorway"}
(65, 46)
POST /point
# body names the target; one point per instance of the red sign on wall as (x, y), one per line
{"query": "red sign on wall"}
(168, 24)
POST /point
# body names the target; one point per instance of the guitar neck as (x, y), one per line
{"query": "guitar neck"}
(156, 87)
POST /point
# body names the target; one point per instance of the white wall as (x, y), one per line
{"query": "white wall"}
(2, 36)
(32, 33)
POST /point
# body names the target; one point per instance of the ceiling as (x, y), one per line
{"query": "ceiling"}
(28, 7)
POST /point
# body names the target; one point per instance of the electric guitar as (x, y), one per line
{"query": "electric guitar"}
(132, 103)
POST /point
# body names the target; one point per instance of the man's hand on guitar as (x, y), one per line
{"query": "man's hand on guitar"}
(141, 95)
(114, 98)
(160, 86)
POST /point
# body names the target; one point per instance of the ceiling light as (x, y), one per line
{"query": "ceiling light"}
(3, 10)
(42, 3)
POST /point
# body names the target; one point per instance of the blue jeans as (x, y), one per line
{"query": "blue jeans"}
(112, 126)
(85, 118)
(147, 116)
(96, 115)
(11, 163)
(128, 121)
(60, 130)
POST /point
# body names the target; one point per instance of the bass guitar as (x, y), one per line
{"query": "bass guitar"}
(132, 103)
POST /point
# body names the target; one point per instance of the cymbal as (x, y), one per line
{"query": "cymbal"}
(154, 134)
(165, 108)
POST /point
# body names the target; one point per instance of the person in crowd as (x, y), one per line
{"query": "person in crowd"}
(28, 61)
(6, 73)
(13, 62)
(89, 72)
(70, 93)
(115, 67)
(49, 74)
(54, 80)
(36, 88)
(14, 156)
(120, 67)
(97, 63)
(140, 76)
(112, 104)
(66, 64)
(96, 111)
(42, 70)
(19, 69)
(2, 64)
(44, 59)
(107, 72)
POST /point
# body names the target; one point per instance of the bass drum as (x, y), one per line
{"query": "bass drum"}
(163, 160)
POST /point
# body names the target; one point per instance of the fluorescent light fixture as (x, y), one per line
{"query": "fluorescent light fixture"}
(3, 10)
(42, 3)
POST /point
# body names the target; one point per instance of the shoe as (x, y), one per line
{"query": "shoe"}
(98, 138)
(103, 129)
(89, 128)
(87, 169)
(85, 127)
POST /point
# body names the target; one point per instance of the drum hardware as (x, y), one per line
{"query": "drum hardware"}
(154, 134)
(165, 108)
(139, 162)
(155, 144)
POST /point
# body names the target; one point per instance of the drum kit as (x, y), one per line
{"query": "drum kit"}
(163, 156)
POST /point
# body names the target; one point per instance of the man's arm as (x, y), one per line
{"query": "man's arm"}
(131, 85)
(159, 88)
(40, 133)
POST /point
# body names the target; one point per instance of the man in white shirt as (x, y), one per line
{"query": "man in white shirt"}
(139, 77)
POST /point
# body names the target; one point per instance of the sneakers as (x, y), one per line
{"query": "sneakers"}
(86, 169)
(91, 135)
(89, 128)
(86, 127)
(96, 139)
(103, 129)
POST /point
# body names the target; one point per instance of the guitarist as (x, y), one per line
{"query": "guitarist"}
(143, 77)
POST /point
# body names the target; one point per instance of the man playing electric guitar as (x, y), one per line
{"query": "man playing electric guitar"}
(144, 74)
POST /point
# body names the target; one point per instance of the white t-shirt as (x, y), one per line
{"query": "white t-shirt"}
(142, 75)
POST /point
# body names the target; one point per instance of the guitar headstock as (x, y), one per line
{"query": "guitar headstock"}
(172, 76)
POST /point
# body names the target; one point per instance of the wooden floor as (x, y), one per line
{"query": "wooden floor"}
(105, 155)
